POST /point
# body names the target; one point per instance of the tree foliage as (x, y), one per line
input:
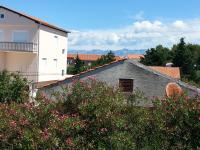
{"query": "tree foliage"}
(109, 57)
(158, 56)
(80, 66)
(185, 56)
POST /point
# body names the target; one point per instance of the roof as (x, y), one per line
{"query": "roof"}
(36, 20)
(135, 56)
(146, 68)
(173, 72)
(85, 57)
(43, 83)
(88, 57)
(81, 73)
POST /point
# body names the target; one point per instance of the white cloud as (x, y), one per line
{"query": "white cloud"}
(140, 35)
(179, 24)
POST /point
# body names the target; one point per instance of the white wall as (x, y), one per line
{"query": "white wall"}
(2, 60)
(51, 44)
(13, 22)
(25, 63)
(49, 48)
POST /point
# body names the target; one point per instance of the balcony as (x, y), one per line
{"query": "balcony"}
(18, 47)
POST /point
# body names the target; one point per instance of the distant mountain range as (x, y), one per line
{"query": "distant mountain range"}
(122, 52)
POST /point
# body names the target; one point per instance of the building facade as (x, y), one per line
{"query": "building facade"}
(36, 49)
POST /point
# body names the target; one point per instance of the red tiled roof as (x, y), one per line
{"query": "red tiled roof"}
(84, 57)
(35, 19)
(135, 56)
(88, 57)
(44, 83)
(173, 72)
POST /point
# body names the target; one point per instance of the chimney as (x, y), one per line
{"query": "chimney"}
(169, 64)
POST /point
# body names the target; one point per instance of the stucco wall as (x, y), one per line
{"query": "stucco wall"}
(51, 45)
(25, 63)
(13, 22)
(151, 83)
(2, 60)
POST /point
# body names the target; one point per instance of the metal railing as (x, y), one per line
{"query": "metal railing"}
(18, 46)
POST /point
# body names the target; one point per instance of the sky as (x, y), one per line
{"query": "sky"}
(118, 24)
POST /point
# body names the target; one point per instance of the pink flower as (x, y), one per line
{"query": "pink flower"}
(45, 134)
(70, 142)
(103, 130)
(12, 112)
(197, 119)
(63, 117)
(24, 122)
(13, 124)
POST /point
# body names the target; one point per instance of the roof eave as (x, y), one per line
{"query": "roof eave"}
(36, 21)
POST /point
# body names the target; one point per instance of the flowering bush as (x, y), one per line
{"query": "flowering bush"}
(91, 115)
(179, 120)
(27, 126)
(13, 87)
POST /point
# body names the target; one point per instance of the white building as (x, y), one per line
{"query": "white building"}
(36, 49)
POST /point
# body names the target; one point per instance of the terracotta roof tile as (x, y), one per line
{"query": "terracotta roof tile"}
(85, 57)
(44, 83)
(135, 56)
(173, 72)
(88, 57)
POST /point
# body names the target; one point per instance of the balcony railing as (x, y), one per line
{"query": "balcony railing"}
(18, 46)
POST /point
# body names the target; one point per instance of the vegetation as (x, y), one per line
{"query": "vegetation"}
(94, 116)
(158, 56)
(13, 88)
(80, 66)
(105, 59)
(185, 56)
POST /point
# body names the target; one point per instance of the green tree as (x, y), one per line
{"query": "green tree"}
(109, 57)
(158, 56)
(183, 58)
(78, 65)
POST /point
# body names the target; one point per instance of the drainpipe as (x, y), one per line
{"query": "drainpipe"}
(38, 53)
(33, 88)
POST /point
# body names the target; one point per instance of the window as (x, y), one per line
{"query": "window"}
(55, 63)
(20, 36)
(2, 16)
(44, 63)
(126, 85)
(63, 51)
(63, 72)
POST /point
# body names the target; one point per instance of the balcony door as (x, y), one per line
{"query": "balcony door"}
(20, 36)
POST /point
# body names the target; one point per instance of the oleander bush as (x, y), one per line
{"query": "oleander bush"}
(13, 87)
(92, 115)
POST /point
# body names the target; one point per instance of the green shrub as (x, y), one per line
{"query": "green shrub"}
(92, 115)
(179, 121)
(13, 88)
(101, 107)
